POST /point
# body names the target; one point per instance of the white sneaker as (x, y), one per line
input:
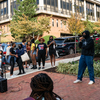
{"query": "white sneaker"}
(12, 76)
(77, 81)
(91, 82)
(54, 66)
(29, 66)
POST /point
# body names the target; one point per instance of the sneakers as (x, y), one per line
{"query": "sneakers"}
(29, 66)
(39, 68)
(42, 67)
(77, 81)
(12, 76)
(19, 73)
(91, 82)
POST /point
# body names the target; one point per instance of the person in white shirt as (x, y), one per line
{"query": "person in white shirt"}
(8, 51)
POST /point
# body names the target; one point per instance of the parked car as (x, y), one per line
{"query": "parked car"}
(66, 45)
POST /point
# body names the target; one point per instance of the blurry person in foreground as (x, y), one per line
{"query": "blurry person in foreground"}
(42, 88)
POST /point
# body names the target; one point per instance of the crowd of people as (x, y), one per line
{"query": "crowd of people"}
(36, 52)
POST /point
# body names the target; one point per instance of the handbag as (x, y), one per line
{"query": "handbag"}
(25, 57)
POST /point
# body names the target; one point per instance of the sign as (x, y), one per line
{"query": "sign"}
(0, 33)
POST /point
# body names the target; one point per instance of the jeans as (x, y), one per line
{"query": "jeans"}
(12, 63)
(20, 64)
(86, 61)
(41, 56)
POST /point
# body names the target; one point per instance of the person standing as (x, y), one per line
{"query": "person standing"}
(24, 46)
(8, 50)
(19, 60)
(41, 52)
(87, 45)
(28, 49)
(52, 52)
(12, 59)
(33, 54)
(95, 35)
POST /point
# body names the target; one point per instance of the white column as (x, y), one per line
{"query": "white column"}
(9, 8)
(85, 9)
(59, 6)
(73, 7)
(95, 15)
(41, 4)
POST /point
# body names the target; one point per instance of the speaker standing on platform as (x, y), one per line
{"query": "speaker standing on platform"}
(87, 45)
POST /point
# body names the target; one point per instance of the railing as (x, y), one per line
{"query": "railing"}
(50, 9)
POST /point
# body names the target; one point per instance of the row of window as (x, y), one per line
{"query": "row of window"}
(5, 28)
(57, 23)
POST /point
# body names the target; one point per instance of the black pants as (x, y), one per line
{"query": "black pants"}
(12, 65)
(20, 64)
(41, 56)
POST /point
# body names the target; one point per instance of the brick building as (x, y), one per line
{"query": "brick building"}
(60, 9)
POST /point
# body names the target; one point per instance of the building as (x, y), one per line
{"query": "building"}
(60, 9)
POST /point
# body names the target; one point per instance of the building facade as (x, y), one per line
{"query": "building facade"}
(60, 9)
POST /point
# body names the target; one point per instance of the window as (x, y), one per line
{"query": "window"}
(61, 23)
(52, 2)
(64, 5)
(52, 22)
(48, 2)
(37, 2)
(57, 22)
(4, 11)
(4, 28)
(72, 39)
(1, 12)
(14, 4)
(56, 3)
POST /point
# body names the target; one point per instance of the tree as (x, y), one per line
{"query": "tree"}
(26, 7)
(97, 26)
(89, 26)
(75, 24)
(24, 26)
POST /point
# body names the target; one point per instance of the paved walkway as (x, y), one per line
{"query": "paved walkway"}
(19, 88)
(48, 65)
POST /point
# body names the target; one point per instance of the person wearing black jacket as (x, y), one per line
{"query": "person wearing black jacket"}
(87, 45)
(20, 52)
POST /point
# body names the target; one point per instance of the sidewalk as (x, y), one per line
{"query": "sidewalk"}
(19, 88)
(47, 65)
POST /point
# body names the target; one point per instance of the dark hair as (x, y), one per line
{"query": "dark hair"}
(30, 43)
(42, 39)
(13, 43)
(24, 40)
(20, 45)
(42, 86)
(50, 37)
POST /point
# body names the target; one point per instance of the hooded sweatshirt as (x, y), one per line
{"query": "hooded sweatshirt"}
(87, 45)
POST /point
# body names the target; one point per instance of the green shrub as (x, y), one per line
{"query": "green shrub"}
(72, 68)
(46, 39)
(97, 47)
